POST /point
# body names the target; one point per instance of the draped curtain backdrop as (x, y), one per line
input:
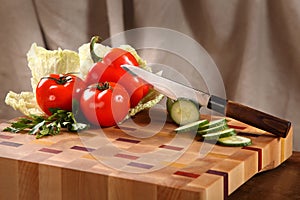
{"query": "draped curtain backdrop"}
(254, 43)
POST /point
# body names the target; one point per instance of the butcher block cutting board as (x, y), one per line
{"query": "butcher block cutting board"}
(118, 163)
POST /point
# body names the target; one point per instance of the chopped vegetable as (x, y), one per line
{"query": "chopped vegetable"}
(169, 104)
(194, 126)
(219, 134)
(217, 130)
(184, 111)
(235, 141)
(213, 129)
(213, 123)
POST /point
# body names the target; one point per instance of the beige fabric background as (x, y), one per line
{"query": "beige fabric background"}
(255, 43)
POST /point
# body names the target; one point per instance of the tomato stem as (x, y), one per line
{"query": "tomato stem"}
(72, 73)
(100, 86)
(95, 57)
(61, 80)
(103, 86)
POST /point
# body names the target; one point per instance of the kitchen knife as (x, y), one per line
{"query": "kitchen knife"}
(248, 115)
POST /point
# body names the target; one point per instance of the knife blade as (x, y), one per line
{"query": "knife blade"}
(172, 89)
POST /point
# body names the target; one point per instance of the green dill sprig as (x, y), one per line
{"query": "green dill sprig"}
(44, 126)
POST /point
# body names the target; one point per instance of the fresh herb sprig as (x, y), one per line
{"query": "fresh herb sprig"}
(44, 126)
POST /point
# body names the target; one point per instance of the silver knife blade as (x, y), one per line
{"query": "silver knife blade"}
(169, 88)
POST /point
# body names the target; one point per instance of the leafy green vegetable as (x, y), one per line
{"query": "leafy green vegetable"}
(152, 98)
(44, 126)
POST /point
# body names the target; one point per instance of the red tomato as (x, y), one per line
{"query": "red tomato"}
(57, 90)
(101, 72)
(110, 70)
(118, 57)
(134, 87)
(105, 104)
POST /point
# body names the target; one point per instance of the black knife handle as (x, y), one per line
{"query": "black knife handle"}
(250, 116)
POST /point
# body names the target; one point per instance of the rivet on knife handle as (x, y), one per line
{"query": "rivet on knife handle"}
(253, 117)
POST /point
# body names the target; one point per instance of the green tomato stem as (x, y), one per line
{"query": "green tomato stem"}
(100, 86)
(103, 86)
(95, 57)
(61, 80)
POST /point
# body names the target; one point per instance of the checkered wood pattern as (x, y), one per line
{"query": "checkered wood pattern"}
(74, 166)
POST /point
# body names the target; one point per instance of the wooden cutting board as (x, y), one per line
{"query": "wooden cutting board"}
(141, 159)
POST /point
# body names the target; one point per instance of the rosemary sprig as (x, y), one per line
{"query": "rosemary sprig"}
(43, 126)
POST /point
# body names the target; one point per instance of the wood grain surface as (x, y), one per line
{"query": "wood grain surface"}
(78, 166)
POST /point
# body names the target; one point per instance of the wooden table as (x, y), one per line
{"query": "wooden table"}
(281, 183)
(75, 166)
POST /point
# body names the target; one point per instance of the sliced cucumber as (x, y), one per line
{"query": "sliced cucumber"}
(213, 129)
(220, 134)
(213, 123)
(191, 126)
(235, 141)
(169, 104)
(184, 111)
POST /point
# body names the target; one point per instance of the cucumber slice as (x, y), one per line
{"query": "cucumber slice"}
(191, 126)
(213, 129)
(220, 134)
(186, 99)
(184, 111)
(214, 123)
(235, 141)
(169, 104)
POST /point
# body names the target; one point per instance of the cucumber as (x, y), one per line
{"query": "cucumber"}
(184, 111)
(220, 134)
(191, 126)
(213, 129)
(169, 104)
(235, 141)
(214, 123)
